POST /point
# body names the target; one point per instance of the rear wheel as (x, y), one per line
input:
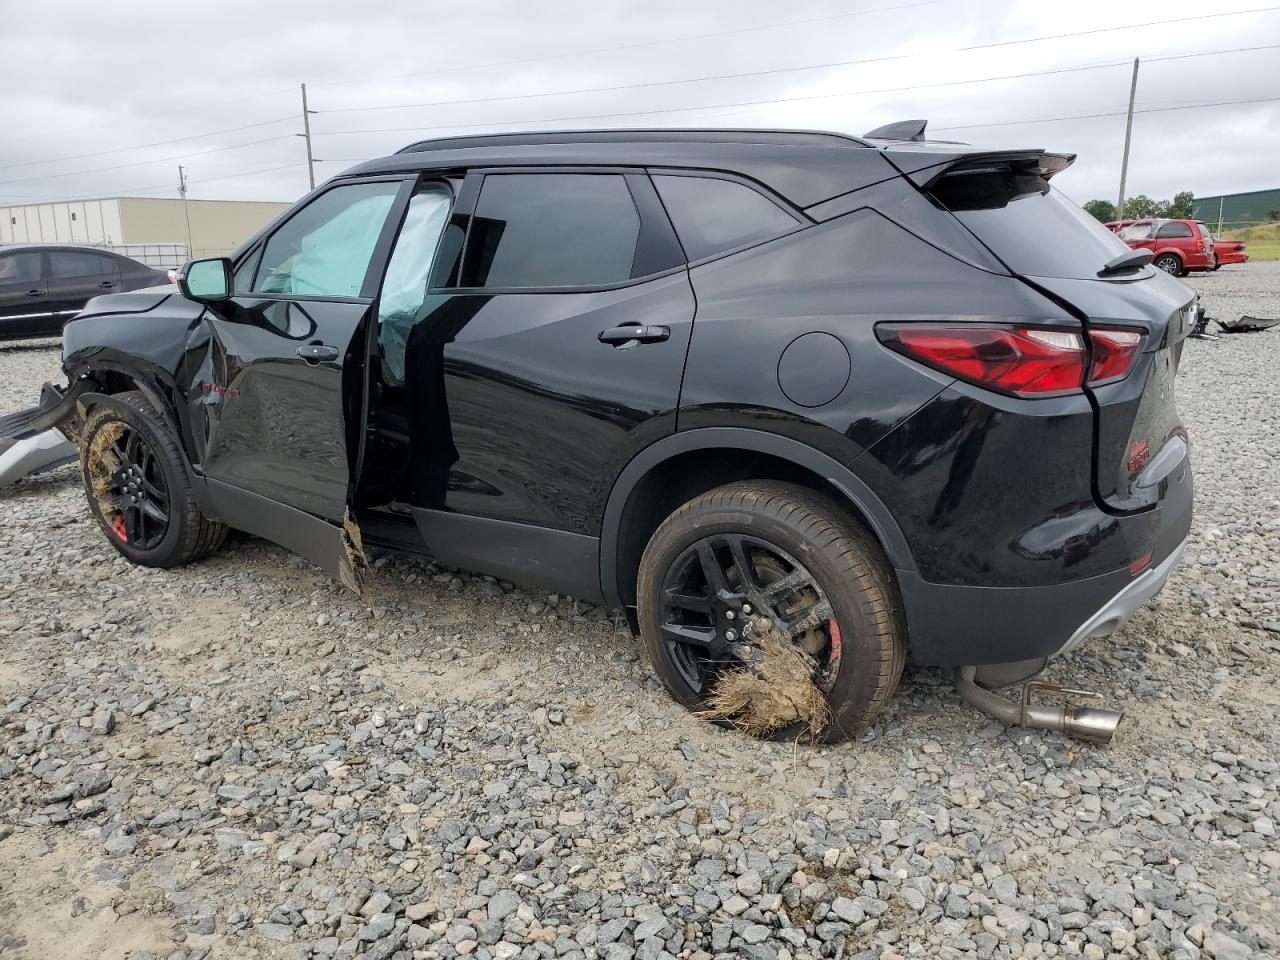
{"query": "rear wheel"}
(1170, 263)
(139, 488)
(764, 606)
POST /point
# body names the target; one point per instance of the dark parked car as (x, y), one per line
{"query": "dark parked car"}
(42, 286)
(801, 404)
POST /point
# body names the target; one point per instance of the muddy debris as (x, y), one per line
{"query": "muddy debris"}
(773, 693)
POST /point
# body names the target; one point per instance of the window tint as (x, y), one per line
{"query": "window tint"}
(551, 230)
(20, 268)
(712, 215)
(323, 250)
(65, 265)
(409, 273)
(1038, 231)
(242, 276)
(1174, 230)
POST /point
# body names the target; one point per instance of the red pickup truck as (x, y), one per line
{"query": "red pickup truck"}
(1177, 246)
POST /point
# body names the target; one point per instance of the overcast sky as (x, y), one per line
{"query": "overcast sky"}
(88, 86)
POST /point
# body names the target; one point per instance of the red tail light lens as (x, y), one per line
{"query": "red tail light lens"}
(1021, 361)
(1113, 353)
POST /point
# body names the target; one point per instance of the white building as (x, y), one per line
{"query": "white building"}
(162, 232)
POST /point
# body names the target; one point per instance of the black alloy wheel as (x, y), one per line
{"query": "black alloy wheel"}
(136, 493)
(139, 487)
(723, 589)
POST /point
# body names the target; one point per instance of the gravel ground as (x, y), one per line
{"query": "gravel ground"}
(238, 759)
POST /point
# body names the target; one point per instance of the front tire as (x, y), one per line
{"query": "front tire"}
(1170, 263)
(139, 487)
(795, 557)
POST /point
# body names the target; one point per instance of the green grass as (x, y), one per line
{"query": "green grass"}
(1263, 240)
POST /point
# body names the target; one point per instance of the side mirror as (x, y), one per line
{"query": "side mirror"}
(206, 281)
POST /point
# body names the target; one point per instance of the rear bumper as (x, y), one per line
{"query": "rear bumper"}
(958, 625)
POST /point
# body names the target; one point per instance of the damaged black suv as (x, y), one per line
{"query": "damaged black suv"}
(802, 404)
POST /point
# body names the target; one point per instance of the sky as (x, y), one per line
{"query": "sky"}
(108, 100)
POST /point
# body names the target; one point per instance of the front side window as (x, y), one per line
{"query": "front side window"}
(324, 249)
(20, 268)
(404, 290)
(1173, 231)
(713, 215)
(67, 265)
(1136, 231)
(552, 230)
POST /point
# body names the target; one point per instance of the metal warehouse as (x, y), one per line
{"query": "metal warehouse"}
(1238, 209)
(162, 232)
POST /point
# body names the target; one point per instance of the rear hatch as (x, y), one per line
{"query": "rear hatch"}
(1047, 240)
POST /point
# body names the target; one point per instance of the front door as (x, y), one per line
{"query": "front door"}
(275, 405)
(76, 277)
(24, 296)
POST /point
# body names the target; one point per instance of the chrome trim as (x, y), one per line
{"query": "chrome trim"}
(28, 316)
(1115, 613)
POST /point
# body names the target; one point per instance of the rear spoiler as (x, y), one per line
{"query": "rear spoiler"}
(1038, 163)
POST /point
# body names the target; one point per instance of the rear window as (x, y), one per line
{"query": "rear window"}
(1034, 228)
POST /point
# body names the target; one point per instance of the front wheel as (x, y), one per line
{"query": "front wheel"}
(764, 606)
(139, 488)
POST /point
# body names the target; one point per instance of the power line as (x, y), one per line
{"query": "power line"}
(632, 46)
(648, 84)
(1117, 113)
(147, 146)
(124, 191)
(796, 99)
(143, 163)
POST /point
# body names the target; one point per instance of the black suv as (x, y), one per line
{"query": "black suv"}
(802, 404)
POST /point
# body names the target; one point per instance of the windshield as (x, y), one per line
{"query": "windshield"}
(1037, 232)
(1137, 231)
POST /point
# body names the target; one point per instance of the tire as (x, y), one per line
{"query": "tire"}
(867, 630)
(1170, 263)
(126, 421)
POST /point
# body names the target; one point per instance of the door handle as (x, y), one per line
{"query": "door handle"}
(35, 293)
(634, 333)
(107, 284)
(316, 352)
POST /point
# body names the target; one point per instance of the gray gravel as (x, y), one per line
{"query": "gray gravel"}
(238, 759)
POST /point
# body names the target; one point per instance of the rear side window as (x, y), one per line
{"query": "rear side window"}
(713, 215)
(551, 230)
(1034, 228)
(68, 265)
(1173, 231)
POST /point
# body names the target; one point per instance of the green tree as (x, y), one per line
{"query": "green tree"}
(1142, 206)
(1181, 207)
(1104, 211)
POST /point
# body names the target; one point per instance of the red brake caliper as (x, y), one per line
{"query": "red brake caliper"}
(117, 527)
(833, 631)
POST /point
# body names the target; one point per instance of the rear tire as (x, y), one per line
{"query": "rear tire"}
(866, 629)
(139, 487)
(1170, 263)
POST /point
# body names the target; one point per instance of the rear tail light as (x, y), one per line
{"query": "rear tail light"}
(1113, 353)
(1019, 361)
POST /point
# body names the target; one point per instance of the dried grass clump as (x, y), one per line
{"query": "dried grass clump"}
(778, 693)
(100, 463)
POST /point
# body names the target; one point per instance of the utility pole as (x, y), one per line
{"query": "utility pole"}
(1128, 134)
(186, 212)
(306, 127)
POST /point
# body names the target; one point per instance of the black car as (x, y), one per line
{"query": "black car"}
(43, 285)
(802, 404)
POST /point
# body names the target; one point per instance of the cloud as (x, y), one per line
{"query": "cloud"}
(86, 84)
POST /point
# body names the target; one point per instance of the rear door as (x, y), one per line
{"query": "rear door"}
(24, 295)
(547, 365)
(76, 276)
(276, 403)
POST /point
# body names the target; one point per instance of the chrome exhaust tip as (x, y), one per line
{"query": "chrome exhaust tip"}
(1094, 724)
